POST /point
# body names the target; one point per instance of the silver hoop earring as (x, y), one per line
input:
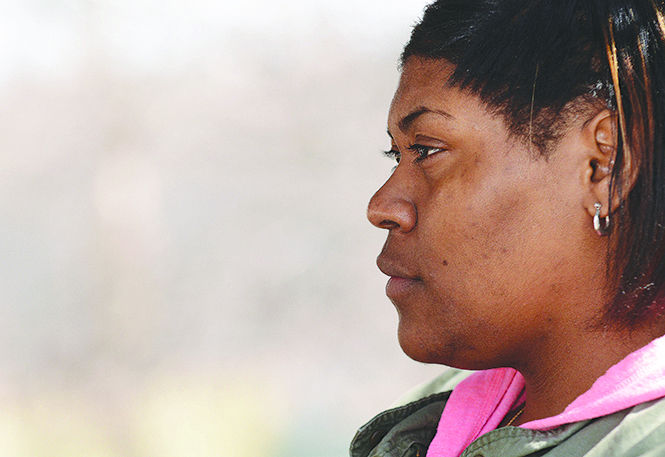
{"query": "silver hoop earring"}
(601, 229)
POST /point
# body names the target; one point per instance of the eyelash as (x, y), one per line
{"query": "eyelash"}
(393, 154)
(422, 152)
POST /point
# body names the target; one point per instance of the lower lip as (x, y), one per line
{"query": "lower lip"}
(397, 287)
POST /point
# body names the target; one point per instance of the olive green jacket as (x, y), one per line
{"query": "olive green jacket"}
(407, 430)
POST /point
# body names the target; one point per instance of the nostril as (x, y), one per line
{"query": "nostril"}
(388, 224)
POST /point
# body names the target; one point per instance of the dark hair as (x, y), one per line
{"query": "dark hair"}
(536, 62)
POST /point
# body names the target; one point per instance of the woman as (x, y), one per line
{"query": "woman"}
(525, 219)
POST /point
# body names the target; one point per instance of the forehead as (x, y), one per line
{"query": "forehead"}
(424, 84)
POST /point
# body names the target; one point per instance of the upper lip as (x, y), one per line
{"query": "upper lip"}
(393, 269)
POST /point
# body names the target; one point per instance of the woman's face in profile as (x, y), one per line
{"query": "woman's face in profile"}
(486, 240)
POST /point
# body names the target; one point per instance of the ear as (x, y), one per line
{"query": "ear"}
(600, 135)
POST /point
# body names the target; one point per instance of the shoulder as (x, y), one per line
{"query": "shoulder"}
(636, 432)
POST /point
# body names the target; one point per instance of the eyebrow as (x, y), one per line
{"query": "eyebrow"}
(410, 118)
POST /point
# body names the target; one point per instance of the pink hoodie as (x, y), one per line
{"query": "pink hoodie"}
(480, 402)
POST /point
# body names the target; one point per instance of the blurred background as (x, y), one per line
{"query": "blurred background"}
(186, 265)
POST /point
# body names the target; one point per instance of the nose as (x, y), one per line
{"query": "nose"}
(390, 209)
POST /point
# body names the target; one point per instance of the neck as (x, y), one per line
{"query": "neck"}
(562, 372)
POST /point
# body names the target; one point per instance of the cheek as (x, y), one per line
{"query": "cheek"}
(481, 243)
(500, 222)
(485, 223)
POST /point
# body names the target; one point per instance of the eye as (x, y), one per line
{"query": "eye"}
(423, 152)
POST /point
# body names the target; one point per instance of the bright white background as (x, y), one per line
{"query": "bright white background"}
(186, 266)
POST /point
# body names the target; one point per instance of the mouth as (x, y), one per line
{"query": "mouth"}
(401, 281)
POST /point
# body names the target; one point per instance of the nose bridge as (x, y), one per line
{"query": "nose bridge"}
(392, 207)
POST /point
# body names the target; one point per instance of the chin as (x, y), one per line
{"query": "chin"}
(422, 349)
(449, 350)
(419, 354)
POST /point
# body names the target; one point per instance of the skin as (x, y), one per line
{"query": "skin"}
(491, 252)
